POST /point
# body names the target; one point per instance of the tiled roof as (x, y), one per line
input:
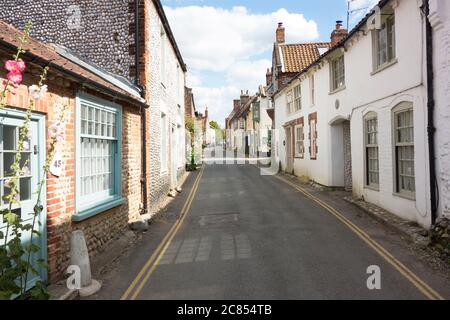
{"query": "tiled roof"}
(45, 54)
(297, 57)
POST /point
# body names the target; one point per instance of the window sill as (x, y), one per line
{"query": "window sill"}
(383, 67)
(410, 196)
(337, 90)
(98, 208)
(372, 188)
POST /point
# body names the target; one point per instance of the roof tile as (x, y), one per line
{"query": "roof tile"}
(297, 57)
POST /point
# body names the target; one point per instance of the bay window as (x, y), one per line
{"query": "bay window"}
(98, 161)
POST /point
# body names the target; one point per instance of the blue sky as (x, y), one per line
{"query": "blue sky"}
(227, 44)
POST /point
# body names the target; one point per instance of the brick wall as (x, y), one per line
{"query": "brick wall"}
(60, 206)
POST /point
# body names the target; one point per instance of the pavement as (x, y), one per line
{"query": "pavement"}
(235, 234)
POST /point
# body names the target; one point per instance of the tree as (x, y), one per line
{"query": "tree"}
(214, 125)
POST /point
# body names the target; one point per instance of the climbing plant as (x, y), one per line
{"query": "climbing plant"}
(15, 255)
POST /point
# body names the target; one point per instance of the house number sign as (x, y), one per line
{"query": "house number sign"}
(56, 166)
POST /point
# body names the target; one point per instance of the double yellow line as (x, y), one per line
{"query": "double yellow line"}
(386, 255)
(141, 279)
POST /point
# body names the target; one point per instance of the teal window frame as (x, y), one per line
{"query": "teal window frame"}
(88, 206)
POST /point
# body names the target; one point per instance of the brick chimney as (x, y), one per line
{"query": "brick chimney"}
(338, 34)
(236, 104)
(280, 34)
(206, 113)
(244, 97)
(268, 76)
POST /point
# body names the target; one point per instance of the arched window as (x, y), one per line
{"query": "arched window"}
(403, 141)
(372, 168)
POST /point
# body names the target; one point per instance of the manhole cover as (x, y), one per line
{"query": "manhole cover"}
(219, 219)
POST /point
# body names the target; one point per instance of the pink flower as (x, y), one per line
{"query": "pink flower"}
(13, 65)
(36, 92)
(15, 77)
(56, 131)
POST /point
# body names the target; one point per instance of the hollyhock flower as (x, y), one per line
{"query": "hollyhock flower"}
(56, 131)
(26, 145)
(15, 77)
(15, 66)
(36, 92)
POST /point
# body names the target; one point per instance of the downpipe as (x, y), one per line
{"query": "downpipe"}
(430, 112)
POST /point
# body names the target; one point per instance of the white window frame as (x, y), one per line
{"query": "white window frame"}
(164, 141)
(289, 102)
(312, 123)
(400, 144)
(384, 44)
(371, 145)
(90, 204)
(299, 141)
(337, 73)
(312, 93)
(297, 97)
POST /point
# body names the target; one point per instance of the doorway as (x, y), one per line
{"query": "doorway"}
(174, 160)
(341, 157)
(32, 160)
(289, 153)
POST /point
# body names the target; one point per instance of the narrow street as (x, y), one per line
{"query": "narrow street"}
(247, 236)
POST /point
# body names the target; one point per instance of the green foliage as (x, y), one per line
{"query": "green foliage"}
(214, 125)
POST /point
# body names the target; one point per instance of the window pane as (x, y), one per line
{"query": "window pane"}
(8, 160)
(25, 189)
(9, 137)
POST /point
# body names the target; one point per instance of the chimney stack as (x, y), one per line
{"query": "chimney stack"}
(236, 104)
(244, 97)
(280, 34)
(338, 34)
(206, 113)
(268, 76)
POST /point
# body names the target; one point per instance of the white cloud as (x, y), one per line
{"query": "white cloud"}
(247, 74)
(231, 43)
(213, 38)
(219, 101)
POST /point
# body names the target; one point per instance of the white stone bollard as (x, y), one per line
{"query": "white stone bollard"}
(79, 256)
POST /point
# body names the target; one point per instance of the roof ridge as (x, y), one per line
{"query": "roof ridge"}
(305, 43)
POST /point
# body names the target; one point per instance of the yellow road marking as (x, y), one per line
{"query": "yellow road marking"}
(162, 246)
(386, 255)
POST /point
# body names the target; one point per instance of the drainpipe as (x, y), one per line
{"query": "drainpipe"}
(430, 108)
(142, 109)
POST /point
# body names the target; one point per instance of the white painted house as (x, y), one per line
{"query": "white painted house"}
(166, 92)
(357, 116)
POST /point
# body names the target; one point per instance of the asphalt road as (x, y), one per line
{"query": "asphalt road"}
(248, 236)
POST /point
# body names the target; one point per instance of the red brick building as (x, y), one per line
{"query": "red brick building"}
(99, 190)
